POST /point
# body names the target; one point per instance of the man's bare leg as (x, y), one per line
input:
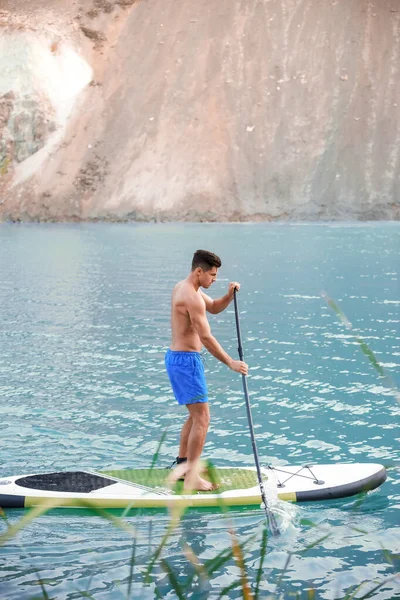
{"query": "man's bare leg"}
(184, 437)
(200, 419)
(187, 426)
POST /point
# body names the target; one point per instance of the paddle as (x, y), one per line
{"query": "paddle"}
(270, 516)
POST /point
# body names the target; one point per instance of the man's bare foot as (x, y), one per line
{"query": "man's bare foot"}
(191, 477)
(202, 471)
(198, 484)
(178, 473)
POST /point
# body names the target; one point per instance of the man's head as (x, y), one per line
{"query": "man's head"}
(205, 265)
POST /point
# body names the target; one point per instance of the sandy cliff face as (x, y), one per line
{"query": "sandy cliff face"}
(240, 109)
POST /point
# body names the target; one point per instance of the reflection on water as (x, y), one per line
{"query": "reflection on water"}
(85, 323)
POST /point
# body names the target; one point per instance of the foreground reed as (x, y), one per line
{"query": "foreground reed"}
(200, 574)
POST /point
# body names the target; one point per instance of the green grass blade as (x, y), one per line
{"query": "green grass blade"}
(351, 595)
(3, 515)
(215, 480)
(285, 568)
(156, 555)
(229, 588)
(308, 523)
(313, 544)
(358, 530)
(198, 567)
(389, 556)
(37, 511)
(127, 510)
(157, 452)
(263, 551)
(290, 554)
(30, 516)
(131, 568)
(116, 521)
(337, 310)
(176, 513)
(359, 500)
(176, 586)
(174, 522)
(364, 347)
(215, 563)
(371, 357)
(45, 594)
(89, 584)
(150, 536)
(377, 587)
(239, 559)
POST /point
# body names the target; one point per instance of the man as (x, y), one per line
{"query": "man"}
(190, 332)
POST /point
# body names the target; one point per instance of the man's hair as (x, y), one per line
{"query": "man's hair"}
(206, 260)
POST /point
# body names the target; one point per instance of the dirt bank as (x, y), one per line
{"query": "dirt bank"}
(236, 110)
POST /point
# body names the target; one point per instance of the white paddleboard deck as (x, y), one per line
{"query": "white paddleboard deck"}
(140, 488)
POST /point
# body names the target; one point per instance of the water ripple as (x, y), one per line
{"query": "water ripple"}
(85, 323)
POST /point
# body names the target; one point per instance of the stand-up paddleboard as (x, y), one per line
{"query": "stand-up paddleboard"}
(143, 488)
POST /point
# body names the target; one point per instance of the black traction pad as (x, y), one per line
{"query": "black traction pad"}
(72, 481)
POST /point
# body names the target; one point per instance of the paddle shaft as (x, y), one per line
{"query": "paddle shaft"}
(270, 516)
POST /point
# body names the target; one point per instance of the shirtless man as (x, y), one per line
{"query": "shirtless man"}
(190, 331)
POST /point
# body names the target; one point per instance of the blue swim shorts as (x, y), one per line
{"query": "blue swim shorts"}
(186, 374)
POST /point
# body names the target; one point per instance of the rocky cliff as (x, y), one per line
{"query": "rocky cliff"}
(200, 109)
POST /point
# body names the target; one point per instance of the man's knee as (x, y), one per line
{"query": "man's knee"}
(201, 415)
(204, 420)
(188, 422)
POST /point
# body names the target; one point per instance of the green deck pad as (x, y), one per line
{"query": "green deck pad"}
(228, 479)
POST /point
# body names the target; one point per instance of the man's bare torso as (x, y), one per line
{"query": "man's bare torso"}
(184, 337)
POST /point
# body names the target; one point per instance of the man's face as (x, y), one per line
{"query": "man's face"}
(207, 278)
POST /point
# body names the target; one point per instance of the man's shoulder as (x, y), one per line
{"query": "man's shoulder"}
(184, 293)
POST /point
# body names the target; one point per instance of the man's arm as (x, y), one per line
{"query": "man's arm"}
(216, 306)
(198, 318)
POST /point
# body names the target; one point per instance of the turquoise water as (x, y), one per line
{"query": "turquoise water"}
(84, 312)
